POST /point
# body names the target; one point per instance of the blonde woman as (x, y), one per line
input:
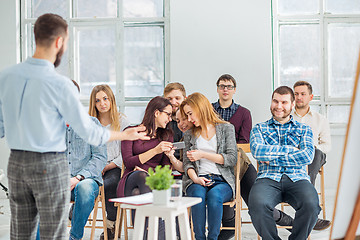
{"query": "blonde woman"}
(103, 107)
(210, 155)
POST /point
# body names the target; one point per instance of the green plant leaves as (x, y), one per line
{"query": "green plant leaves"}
(160, 179)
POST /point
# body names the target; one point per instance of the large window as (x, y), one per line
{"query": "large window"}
(318, 41)
(122, 43)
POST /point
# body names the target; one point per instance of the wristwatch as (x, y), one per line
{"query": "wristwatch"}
(79, 177)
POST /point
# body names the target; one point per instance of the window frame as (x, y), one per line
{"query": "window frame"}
(323, 19)
(120, 23)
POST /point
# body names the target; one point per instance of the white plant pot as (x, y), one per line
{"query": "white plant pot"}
(161, 197)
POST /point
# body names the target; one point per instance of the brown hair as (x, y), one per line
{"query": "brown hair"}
(114, 113)
(284, 90)
(48, 27)
(304, 83)
(204, 110)
(157, 103)
(175, 86)
(226, 77)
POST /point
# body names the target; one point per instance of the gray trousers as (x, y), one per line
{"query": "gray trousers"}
(318, 161)
(38, 187)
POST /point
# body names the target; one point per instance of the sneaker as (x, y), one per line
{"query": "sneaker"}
(285, 220)
(226, 234)
(110, 234)
(322, 224)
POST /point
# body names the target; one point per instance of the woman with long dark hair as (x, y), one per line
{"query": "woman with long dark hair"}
(139, 156)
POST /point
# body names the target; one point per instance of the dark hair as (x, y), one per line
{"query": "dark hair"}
(157, 103)
(48, 27)
(284, 90)
(304, 83)
(226, 77)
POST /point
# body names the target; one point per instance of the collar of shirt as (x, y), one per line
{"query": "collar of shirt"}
(275, 122)
(308, 113)
(39, 61)
(232, 106)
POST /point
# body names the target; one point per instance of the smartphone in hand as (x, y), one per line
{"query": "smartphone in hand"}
(208, 184)
(179, 145)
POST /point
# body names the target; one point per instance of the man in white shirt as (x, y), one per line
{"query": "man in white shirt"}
(321, 133)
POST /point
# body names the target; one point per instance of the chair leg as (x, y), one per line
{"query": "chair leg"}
(93, 225)
(322, 190)
(238, 221)
(102, 199)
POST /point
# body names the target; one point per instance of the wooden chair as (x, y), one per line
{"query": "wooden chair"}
(93, 219)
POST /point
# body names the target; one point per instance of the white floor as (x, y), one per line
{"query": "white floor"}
(248, 232)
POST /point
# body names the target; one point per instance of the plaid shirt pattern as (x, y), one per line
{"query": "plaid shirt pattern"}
(226, 113)
(275, 143)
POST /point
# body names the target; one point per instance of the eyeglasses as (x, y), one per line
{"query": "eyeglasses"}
(229, 87)
(167, 113)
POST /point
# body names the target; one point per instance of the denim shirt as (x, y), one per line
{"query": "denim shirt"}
(288, 148)
(85, 159)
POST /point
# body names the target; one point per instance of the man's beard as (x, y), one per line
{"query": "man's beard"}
(286, 114)
(58, 57)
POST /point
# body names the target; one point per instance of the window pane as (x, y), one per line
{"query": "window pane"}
(39, 7)
(343, 6)
(315, 108)
(300, 55)
(97, 58)
(135, 114)
(96, 8)
(143, 8)
(144, 61)
(344, 41)
(298, 7)
(338, 114)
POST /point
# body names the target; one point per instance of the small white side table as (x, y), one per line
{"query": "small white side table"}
(168, 213)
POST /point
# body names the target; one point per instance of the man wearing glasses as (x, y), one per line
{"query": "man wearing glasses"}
(237, 115)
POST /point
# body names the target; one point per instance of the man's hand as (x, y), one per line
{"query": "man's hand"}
(194, 155)
(265, 162)
(135, 133)
(73, 182)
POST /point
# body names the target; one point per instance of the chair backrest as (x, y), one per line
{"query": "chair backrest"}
(245, 147)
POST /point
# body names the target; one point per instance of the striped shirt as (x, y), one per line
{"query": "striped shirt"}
(288, 148)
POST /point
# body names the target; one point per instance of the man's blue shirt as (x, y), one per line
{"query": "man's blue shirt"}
(35, 103)
(276, 143)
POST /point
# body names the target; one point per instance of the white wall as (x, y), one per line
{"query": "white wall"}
(208, 38)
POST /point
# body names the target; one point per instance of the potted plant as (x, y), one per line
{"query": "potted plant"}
(160, 182)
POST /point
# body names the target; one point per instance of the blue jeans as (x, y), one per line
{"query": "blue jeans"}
(213, 197)
(267, 193)
(84, 195)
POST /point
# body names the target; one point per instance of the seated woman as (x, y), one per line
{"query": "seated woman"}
(103, 107)
(210, 155)
(139, 156)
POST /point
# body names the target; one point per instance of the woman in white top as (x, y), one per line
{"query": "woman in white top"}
(103, 107)
(210, 155)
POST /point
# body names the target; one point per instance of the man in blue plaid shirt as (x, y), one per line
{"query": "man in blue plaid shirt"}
(283, 147)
